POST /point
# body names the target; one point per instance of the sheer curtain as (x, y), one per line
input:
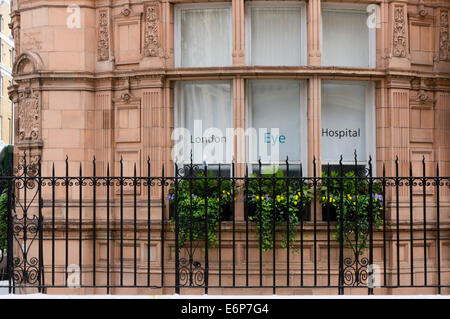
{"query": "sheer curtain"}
(205, 37)
(343, 121)
(345, 38)
(207, 102)
(276, 104)
(276, 36)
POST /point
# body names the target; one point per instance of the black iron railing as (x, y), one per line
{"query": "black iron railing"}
(273, 228)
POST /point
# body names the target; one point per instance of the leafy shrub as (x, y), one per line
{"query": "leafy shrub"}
(192, 202)
(275, 199)
(355, 209)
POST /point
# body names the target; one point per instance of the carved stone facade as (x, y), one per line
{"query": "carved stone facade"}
(106, 89)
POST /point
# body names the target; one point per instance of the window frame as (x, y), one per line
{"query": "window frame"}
(303, 138)
(275, 4)
(350, 7)
(370, 125)
(177, 29)
(178, 113)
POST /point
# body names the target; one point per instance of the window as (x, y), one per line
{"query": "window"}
(347, 121)
(1, 22)
(276, 121)
(203, 113)
(276, 33)
(347, 40)
(203, 35)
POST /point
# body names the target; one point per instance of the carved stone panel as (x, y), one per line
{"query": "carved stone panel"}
(151, 32)
(103, 36)
(28, 115)
(400, 40)
(444, 41)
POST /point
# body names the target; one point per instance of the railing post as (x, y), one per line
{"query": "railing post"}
(177, 230)
(10, 234)
(341, 229)
(370, 227)
(206, 228)
(438, 235)
(40, 229)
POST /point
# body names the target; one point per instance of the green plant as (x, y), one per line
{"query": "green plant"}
(194, 197)
(3, 219)
(274, 199)
(350, 196)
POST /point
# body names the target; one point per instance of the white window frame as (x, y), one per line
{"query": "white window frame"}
(275, 4)
(351, 7)
(196, 6)
(179, 112)
(303, 138)
(370, 129)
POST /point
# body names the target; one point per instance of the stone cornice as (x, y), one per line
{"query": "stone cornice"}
(250, 72)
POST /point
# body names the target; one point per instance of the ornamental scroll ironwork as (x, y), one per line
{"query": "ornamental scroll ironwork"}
(25, 265)
(190, 271)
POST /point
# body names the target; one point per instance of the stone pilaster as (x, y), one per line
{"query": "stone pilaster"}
(238, 33)
(314, 125)
(314, 32)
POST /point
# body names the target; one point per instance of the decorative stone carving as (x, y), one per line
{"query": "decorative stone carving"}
(151, 36)
(125, 12)
(444, 41)
(400, 39)
(28, 114)
(103, 36)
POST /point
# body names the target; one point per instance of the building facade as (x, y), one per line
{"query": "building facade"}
(6, 63)
(115, 79)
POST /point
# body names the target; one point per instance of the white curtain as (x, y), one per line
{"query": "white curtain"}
(205, 37)
(343, 121)
(345, 38)
(276, 105)
(276, 36)
(205, 109)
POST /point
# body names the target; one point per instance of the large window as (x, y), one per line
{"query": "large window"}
(347, 39)
(276, 121)
(203, 35)
(347, 121)
(203, 115)
(276, 33)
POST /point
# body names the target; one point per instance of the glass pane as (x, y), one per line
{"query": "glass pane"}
(205, 37)
(343, 121)
(275, 115)
(205, 110)
(345, 38)
(276, 36)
